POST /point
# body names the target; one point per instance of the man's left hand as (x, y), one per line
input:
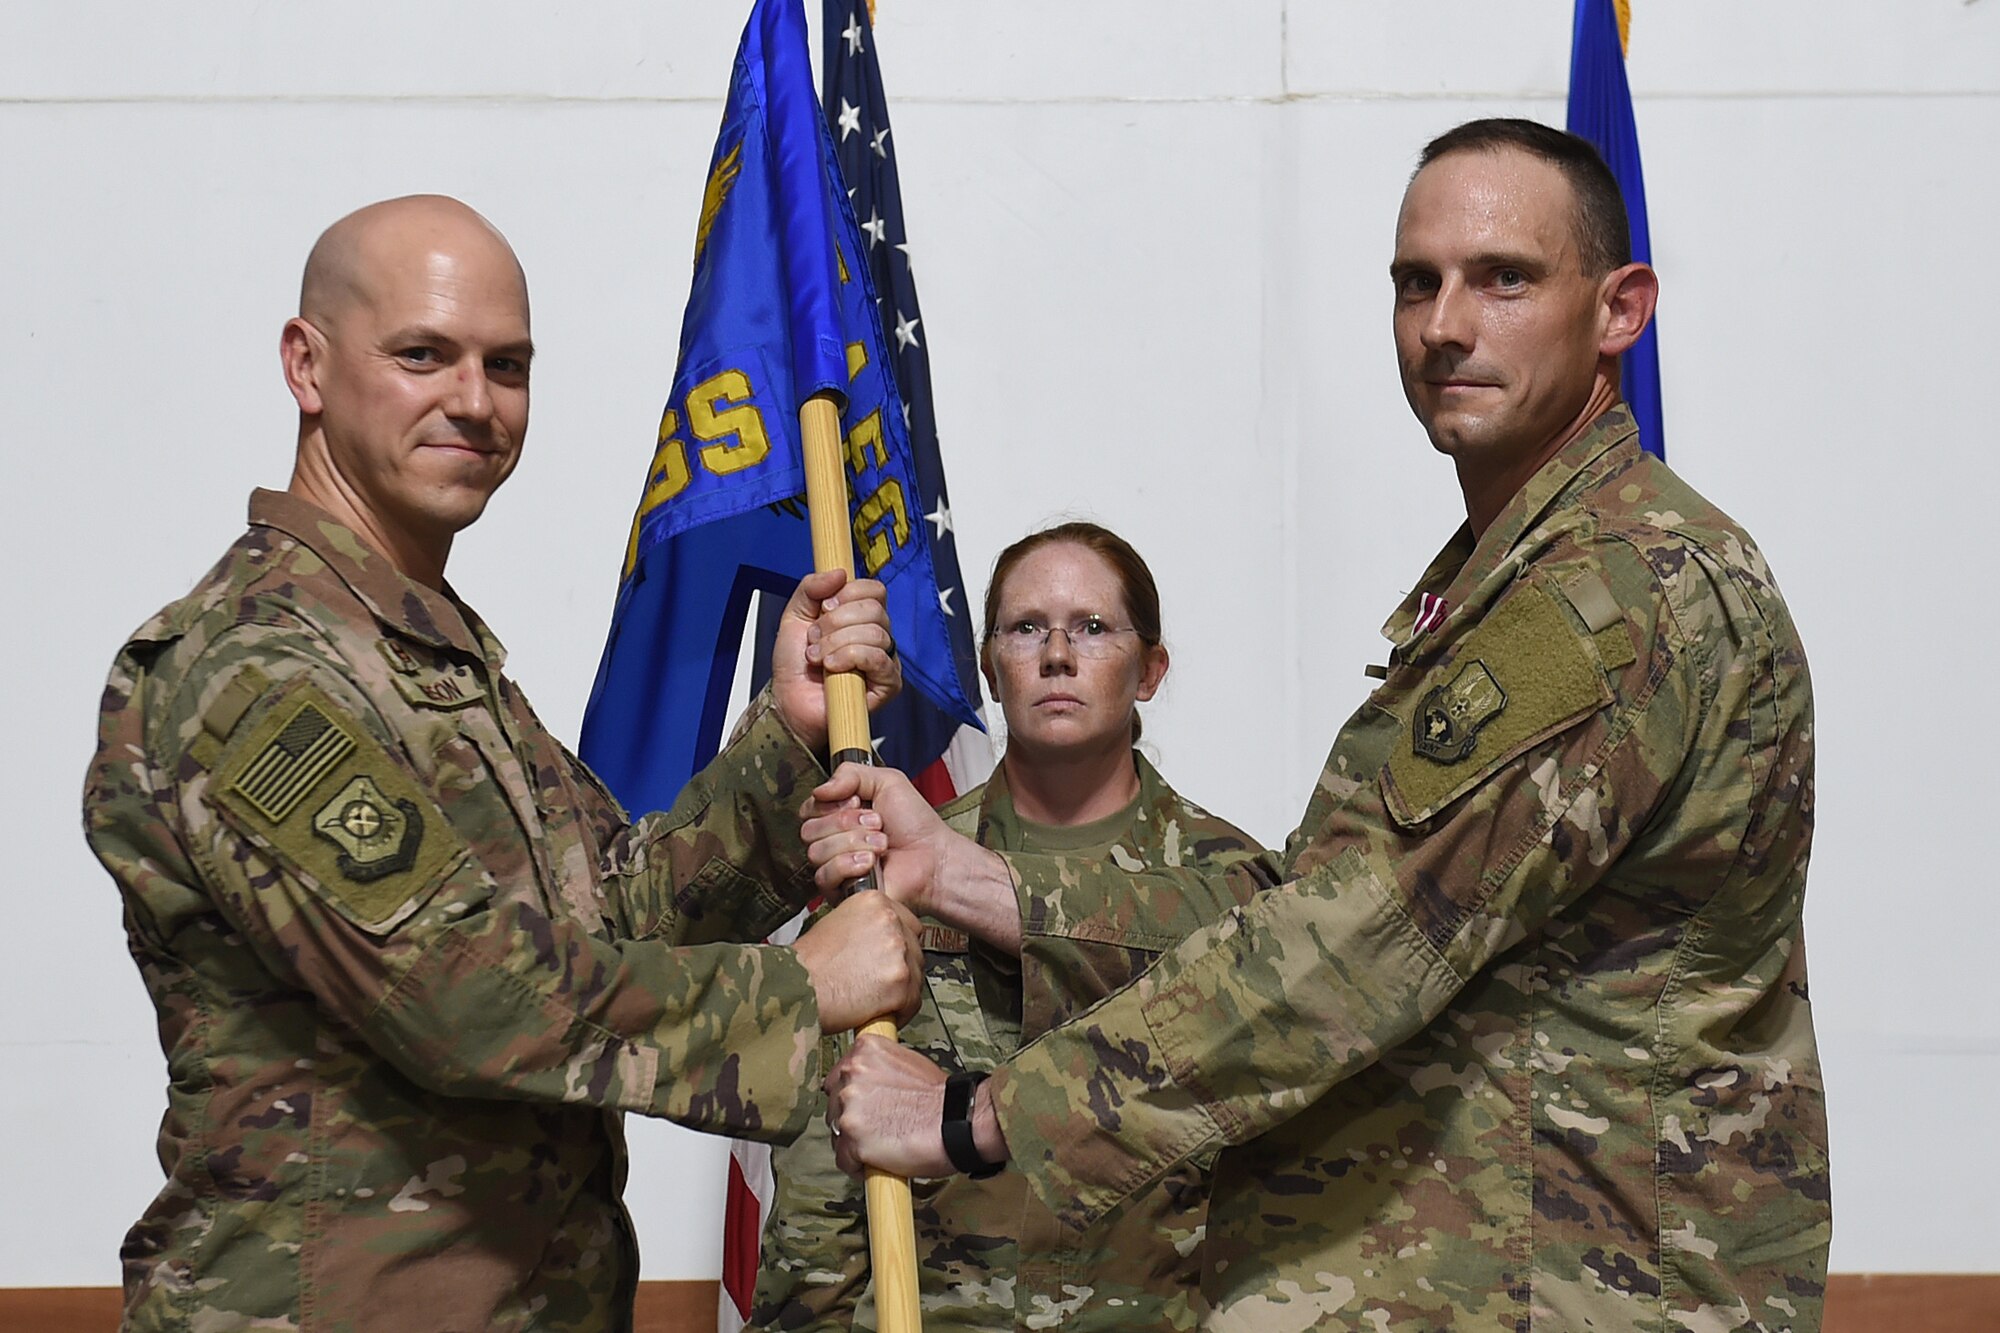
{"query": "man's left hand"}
(831, 624)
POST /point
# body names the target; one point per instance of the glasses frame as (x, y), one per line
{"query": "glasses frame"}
(1107, 642)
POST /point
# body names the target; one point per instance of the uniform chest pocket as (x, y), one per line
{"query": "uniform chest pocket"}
(473, 796)
(1522, 675)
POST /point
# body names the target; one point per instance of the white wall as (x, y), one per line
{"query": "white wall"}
(1151, 240)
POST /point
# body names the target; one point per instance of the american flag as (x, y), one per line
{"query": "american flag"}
(858, 115)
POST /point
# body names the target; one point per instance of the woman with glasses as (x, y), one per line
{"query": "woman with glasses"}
(1072, 647)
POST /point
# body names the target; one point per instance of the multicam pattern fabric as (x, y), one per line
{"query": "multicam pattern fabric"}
(411, 960)
(989, 1256)
(1524, 1042)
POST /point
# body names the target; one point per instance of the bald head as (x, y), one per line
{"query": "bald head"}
(372, 247)
(409, 361)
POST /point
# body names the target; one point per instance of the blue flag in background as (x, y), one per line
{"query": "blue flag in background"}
(781, 307)
(1600, 110)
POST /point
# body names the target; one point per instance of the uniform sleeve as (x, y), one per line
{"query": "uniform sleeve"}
(814, 1268)
(1517, 769)
(324, 846)
(726, 862)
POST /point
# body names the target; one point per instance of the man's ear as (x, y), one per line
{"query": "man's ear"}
(1629, 295)
(302, 350)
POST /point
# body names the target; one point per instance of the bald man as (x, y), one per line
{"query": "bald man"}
(410, 959)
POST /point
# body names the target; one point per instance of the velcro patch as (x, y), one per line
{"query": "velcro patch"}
(1590, 597)
(439, 687)
(1521, 675)
(312, 785)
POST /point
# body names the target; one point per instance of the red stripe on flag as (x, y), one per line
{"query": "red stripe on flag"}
(935, 784)
(742, 1223)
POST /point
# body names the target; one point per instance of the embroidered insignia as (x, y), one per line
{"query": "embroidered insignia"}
(439, 688)
(305, 749)
(376, 837)
(400, 658)
(943, 939)
(720, 181)
(1448, 721)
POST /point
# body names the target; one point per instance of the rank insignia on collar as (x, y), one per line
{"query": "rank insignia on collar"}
(401, 659)
(1449, 719)
(376, 837)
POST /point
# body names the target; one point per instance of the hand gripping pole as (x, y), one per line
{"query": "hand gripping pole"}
(892, 1231)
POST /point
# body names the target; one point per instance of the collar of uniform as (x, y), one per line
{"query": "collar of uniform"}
(399, 603)
(1559, 477)
(1000, 823)
(1464, 565)
(1402, 622)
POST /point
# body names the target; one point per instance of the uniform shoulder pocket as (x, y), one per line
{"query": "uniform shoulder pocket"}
(1520, 676)
(304, 779)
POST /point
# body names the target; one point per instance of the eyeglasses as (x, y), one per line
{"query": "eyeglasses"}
(1089, 637)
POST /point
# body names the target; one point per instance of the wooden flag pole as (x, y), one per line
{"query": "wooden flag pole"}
(892, 1229)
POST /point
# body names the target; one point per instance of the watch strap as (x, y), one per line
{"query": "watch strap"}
(957, 1127)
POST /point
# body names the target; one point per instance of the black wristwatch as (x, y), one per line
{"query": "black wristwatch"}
(957, 1127)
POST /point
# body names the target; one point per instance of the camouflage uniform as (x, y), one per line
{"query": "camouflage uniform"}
(989, 1256)
(1524, 1042)
(411, 960)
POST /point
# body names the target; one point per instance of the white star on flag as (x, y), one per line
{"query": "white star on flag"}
(940, 516)
(944, 600)
(877, 229)
(906, 407)
(850, 119)
(908, 262)
(853, 35)
(906, 331)
(876, 142)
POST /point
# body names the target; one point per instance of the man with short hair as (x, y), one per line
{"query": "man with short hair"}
(410, 959)
(1523, 1041)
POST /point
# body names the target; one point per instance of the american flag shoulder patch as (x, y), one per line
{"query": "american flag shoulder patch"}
(278, 774)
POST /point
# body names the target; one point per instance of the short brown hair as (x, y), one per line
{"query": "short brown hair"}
(1142, 595)
(1603, 231)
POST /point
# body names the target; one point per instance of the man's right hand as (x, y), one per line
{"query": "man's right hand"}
(864, 961)
(863, 819)
(919, 861)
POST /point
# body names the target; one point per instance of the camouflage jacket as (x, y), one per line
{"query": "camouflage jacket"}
(1524, 1040)
(410, 959)
(989, 1256)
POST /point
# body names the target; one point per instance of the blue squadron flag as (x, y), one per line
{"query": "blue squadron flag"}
(1600, 110)
(943, 754)
(782, 306)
